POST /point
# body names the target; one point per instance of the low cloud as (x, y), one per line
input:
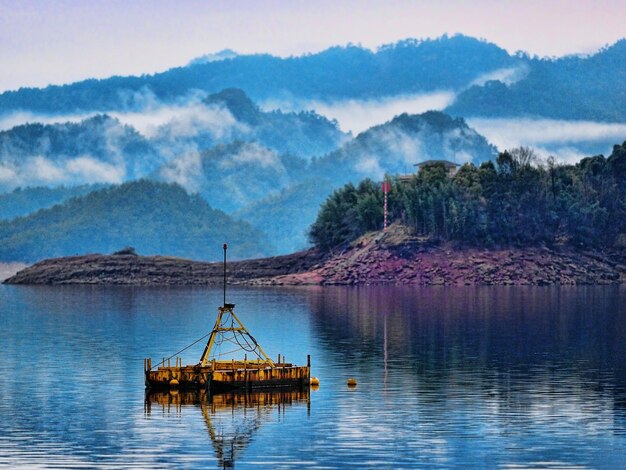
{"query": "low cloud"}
(185, 170)
(568, 140)
(39, 170)
(506, 75)
(370, 166)
(255, 154)
(359, 115)
(91, 170)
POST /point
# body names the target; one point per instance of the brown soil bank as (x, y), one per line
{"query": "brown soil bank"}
(392, 258)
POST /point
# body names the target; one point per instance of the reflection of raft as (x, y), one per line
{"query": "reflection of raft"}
(214, 374)
(167, 399)
(232, 419)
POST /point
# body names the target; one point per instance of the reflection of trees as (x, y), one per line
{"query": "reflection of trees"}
(232, 419)
(497, 341)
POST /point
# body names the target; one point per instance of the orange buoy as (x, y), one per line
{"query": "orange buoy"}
(315, 382)
(351, 382)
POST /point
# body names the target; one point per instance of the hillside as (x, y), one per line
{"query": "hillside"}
(235, 175)
(154, 218)
(410, 66)
(24, 201)
(512, 201)
(390, 148)
(394, 258)
(230, 115)
(590, 88)
(99, 149)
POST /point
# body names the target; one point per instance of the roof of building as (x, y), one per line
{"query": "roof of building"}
(432, 162)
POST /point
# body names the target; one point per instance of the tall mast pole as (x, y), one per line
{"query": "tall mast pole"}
(225, 248)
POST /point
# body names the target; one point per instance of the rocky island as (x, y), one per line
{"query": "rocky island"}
(396, 257)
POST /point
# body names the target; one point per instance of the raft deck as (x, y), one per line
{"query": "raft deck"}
(219, 376)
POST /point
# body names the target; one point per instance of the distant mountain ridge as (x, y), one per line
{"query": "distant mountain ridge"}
(590, 88)
(410, 66)
(484, 75)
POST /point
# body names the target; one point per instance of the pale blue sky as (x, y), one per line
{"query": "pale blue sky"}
(59, 41)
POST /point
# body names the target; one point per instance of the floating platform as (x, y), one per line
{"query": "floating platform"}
(223, 376)
(215, 374)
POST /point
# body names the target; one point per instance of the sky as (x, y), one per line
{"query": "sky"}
(54, 42)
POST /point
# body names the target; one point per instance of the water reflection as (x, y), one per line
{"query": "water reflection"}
(232, 419)
(447, 377)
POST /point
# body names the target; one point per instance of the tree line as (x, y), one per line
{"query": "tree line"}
(515, 201)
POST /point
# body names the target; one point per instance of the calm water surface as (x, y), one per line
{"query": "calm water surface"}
(447, 377)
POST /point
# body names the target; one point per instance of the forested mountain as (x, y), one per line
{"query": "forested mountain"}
(590, 88)
(288, 214)
(514, 202)
(24, 201)
(98, 149)
(393, 148)
(410, 66)
(154, 218)
(102, 149)
(231, 115)
(235, 175)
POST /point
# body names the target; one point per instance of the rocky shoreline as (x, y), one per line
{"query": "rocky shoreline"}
(395, 257)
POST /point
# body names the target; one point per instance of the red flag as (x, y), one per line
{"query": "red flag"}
(386, 187)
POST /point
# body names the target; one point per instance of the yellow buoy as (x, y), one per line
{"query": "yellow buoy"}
(314, 381)
(173, 383)
(351, 382)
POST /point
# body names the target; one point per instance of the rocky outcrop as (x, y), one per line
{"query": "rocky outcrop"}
(131, 269)
(395, 257)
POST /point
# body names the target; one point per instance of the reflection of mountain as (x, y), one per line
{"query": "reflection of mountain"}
(232, 419)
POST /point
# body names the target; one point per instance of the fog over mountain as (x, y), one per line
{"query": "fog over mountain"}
(391, 148)
(357, 87)
(267, 139)
(102, 149)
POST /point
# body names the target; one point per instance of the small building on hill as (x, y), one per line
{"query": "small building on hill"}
(450, 167)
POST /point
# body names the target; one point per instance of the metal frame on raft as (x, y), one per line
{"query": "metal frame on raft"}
(222, 375)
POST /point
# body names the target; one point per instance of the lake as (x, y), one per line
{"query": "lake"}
(497, 377)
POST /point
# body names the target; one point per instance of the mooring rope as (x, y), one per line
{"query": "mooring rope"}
(182, 350)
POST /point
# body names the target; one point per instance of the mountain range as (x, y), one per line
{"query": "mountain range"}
(243, 135)
(487, 79)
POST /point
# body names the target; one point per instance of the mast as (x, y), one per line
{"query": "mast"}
(226, 316)
(225, 248)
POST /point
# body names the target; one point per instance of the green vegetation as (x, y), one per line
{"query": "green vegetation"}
(24, 201)
(155, 218)
(410, 66)
(590, 88)
(515, 201)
